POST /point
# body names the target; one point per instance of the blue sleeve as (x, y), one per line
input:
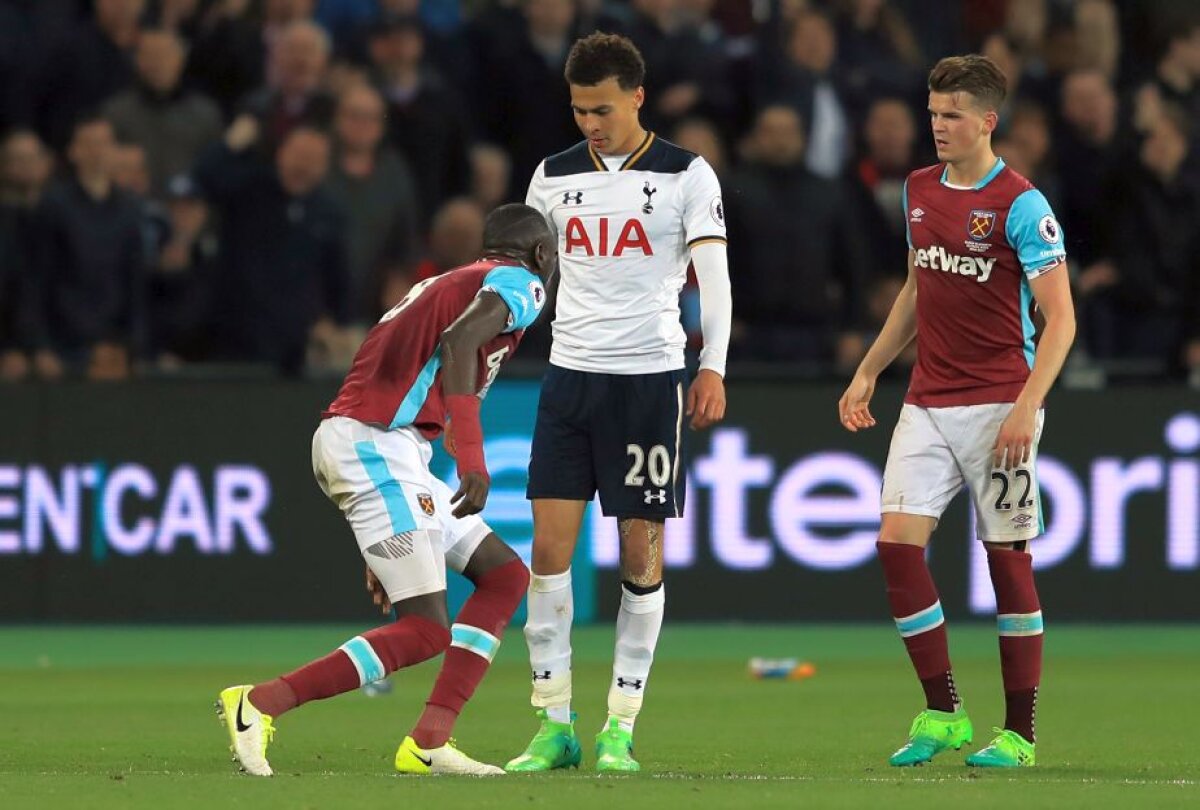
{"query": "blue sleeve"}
(520, 290)
(904, 202)
(1034, 233)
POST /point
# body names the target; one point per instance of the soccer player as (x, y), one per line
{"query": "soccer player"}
(630, 211)
(983, 247)
(433, 356)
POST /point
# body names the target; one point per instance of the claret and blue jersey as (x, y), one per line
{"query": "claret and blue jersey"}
(975, 250)
(395, 380)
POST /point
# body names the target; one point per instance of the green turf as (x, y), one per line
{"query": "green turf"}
(115, 717)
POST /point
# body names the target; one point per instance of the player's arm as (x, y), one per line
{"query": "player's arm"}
(486, 317)
(706, 397)
(1052, 291)
(704, 228)
(898, 331)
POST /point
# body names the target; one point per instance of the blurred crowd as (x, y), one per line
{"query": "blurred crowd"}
(254, 182)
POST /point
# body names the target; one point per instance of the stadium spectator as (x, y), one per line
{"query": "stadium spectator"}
(1089, 158)
(877, 51)
(229, 52)
(426, 121)
(685, 62)
(181, 279)
(294, 94)
(491, 175)
(806, 80)
(1031, 144)
(14, 363)
(85, 304)
(455, 238)
(1148, 310)
(797, 245)
(172, 124)
(374, 186)
(26, 166)
(283, 246)
(85, 68)
(876, 183)
(522, 80)
(699, 135)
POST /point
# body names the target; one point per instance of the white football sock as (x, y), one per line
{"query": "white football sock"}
(548, 633)
(638, 623)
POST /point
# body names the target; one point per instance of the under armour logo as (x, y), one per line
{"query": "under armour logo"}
(651, 496)
(634, 683)
(544, 675)
(572, 198)
(649, 192)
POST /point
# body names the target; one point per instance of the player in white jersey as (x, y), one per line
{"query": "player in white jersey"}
(630, 211)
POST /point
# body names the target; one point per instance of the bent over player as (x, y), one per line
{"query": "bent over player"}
(630, 211)
(433, 356)
(983, 247)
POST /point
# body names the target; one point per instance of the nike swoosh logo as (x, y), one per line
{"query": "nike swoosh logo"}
(240, 725)
(428, 763)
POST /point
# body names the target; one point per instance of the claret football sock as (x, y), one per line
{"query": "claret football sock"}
(918, 614)
(363, 659)
(1019, 623)
(475, 638)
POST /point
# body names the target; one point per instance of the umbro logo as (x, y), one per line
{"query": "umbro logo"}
(633, 683)
(572, 198)
(544, 675)
(650, 496)
(916, 214)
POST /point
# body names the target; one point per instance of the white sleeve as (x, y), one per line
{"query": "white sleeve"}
(716, 302)
(703, 211)
(535, 197)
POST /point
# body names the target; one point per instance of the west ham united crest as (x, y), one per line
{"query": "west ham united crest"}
(980, 224)
(425, 501)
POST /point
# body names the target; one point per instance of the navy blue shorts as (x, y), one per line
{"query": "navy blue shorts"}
(620, 434)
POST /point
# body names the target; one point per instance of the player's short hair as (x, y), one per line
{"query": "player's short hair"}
(974, 74)
(601, 56)
(514, 225)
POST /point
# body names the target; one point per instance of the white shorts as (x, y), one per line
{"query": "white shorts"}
(400, 513)
(936, 451)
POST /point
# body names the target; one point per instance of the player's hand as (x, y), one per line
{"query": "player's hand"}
(706, 399)
(378, 594)
(1014, 442)
(472, 494)
(853, 407)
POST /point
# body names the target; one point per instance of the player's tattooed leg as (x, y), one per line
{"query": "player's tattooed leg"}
(641, 551)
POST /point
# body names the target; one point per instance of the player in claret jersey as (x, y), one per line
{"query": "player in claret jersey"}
(983, 247)
(433, 356)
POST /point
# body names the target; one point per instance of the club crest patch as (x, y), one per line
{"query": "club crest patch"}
(980, 224)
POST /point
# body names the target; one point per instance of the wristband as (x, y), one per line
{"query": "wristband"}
(463, 410)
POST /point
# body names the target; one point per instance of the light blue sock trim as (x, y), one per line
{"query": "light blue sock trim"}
(365, 660)
(478, 641)
(1019, 624)
(922, 621)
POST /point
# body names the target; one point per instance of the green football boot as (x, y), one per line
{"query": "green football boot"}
(1008, 750)
(554, 746)
(933, 732)
(614, 749)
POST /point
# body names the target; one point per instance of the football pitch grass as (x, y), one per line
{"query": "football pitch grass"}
(122, 717)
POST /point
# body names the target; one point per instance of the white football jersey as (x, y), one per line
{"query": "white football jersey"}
(624, 233)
